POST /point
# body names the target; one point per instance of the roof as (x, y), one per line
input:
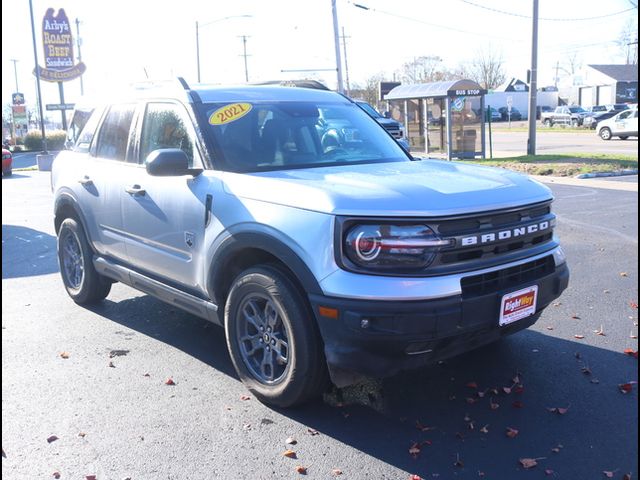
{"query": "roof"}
(512, 85)
(431, 90)
(244, 93)
(620, 73)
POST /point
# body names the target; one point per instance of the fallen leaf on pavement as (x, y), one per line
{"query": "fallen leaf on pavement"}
(631, 352)
(56, 474)
(548, 472)
(146, 375)
(518, 404)
(512, 432)
(415, 477)
(312, 432)
(301, 470)
(579, 337)
(529, 462)
(169, 381)
(519, 390)
(608, 474)
(549, 327)
(90, 477)
(626, 476)
(575, 316)
(558, 410)
(64, 355)
(414, 450)
(290, 441)
(506, 390)
(81, 434)
(52, 438)
(586, 370)
(471, 401)
(423, 428)
(245, 397)
(633, 304)
(626, 387)
(485, 429)
(289, 454)
(624, 274)
(600, 332)
(633, 335)
(336, 471)
(516, 379)
(494, 405)
(472, 385)
(112, 365)
(458, 462)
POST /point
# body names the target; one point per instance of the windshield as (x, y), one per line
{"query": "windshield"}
(250, 137)
(369, 109)
(576, 109)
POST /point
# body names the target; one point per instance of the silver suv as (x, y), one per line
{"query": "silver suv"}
(324, 250)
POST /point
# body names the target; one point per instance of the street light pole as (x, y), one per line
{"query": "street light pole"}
(35, 57)
(533, 85)
(78, 43)
(336, 40)
(15, 71)
(198, 26)
(198, 49)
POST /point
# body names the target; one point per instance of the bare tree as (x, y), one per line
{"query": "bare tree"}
(369, 91)
(487, 69)
(424, 69)
(628, 41)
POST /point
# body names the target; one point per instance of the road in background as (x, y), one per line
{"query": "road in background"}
(123, 421)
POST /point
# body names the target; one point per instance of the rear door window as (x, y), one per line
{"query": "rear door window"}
(114, 133)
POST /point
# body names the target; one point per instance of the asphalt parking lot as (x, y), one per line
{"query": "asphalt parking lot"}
(123, 421)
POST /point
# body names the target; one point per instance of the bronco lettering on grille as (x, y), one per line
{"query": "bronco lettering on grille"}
(504, 234)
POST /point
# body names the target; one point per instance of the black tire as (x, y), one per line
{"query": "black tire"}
(623, 137)
(304, 376)
(605, 133)
(575, 123)
(548, 123)
(7, 173)
(81, 280)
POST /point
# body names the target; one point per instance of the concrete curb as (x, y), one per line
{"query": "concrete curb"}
(619, 173)
(595, 183)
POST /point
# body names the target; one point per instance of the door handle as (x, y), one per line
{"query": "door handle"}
(135, 190)
(85, 181)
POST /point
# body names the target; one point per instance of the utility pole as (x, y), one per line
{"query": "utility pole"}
(244, 54)
(557, 68)
(78, 44)
(198, 49)
(336, 41)
(15, 71)
(346, 65)
(533, 86)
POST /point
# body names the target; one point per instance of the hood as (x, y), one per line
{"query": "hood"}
(387, 121)
(420, 188)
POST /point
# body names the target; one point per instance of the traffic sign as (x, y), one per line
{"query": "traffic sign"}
(60, 106)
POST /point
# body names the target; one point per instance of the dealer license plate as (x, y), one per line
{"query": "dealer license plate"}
(518, 305)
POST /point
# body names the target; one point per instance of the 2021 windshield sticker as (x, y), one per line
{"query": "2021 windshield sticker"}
(229, 113)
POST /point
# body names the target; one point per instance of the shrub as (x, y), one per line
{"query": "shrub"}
(55, 140)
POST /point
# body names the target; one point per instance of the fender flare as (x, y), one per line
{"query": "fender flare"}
(237, 242)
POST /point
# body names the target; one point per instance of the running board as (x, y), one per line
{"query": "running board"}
(171, 295)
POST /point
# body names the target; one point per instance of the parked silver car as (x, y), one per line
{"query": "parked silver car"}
(323, 253)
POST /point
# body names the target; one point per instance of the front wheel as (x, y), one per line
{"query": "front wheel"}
(81, 280)
(273, 340)
(575, 123)
(605, 134)
(548, 123)
(7, 173)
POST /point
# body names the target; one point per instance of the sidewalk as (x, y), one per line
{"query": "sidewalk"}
(589, 182)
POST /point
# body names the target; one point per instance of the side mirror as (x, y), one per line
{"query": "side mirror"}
(169, 162)
(387, 114)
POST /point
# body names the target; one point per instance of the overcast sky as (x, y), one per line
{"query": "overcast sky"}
(127, 41)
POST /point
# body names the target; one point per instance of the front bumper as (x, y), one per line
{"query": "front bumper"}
(381, 338)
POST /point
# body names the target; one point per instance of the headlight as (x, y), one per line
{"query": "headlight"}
(392, 247)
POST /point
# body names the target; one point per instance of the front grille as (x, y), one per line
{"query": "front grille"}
(394, 130)
(501, 280)
(461, 254)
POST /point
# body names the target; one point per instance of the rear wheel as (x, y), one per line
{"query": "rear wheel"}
(605, 133)
(81, 280)
(274, 342)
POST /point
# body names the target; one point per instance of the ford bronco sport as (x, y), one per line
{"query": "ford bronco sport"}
(323, 256)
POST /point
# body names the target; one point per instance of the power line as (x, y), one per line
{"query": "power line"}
(583, 19)
(436, 25)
